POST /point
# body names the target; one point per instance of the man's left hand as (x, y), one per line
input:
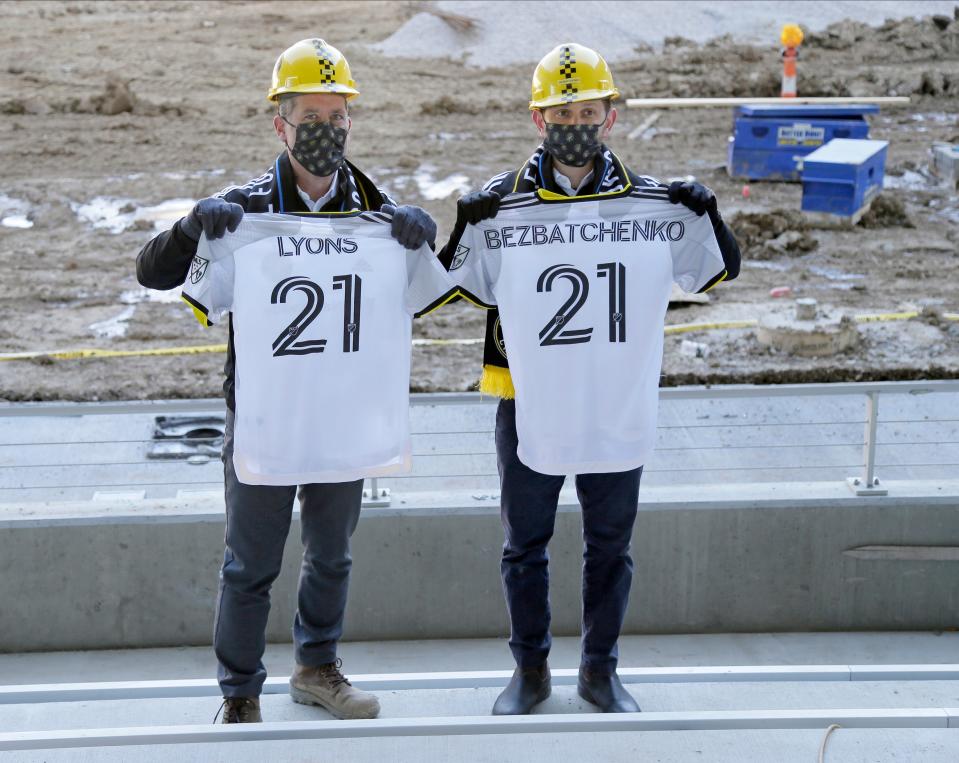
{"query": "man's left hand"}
(412, 226)
(696, 197)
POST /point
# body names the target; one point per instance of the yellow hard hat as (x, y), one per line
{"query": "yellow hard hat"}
(570, 73)
(312, 66)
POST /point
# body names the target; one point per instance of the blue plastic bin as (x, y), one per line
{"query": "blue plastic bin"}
(768, 141)
(843, 176)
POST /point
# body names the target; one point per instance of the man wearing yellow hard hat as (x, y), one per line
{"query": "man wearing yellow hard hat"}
(571, 105)
(312, 87)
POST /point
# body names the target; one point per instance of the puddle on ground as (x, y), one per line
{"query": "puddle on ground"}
(16, 221)
(834, 275)
(951, 214)
(935, 116)
(447, 136)
(830, 286)
(14, 213)
(115, 327)
(170, 175)
(117, 215)
(433, 189)
(136, 296)
(767, 265)
(454, 136)
(909, 180)
(397, 183)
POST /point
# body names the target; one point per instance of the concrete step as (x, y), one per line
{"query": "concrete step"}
(887, 710)
(667, 699)
(846, 745)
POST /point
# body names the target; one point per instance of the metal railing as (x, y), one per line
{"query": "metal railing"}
(687, 447)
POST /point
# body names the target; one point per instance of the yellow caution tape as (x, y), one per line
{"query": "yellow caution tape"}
(682, 328)
(677, 328)
(96, 353)
(900, 317)
(886, 317)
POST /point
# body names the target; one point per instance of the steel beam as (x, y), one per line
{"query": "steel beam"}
(204, 687)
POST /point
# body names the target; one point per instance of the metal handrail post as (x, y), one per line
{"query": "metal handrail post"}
(872, 417)
(868, 484)
(375, 496)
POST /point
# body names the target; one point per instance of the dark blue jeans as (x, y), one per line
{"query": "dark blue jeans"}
(528, 509)
(258, 520)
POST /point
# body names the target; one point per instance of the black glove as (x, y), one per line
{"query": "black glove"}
(412, 226)
(212, 216)
(697, 197)
(477, 206)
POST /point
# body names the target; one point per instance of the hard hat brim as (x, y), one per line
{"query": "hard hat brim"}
(584, 95)
(332, 88)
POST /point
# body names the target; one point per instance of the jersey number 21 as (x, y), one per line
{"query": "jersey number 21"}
(556, 331)
(288, 343)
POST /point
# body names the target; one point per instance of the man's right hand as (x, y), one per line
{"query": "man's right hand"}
(213, 216)
(477, 206)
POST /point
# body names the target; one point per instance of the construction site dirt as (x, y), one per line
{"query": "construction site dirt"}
(133, 110)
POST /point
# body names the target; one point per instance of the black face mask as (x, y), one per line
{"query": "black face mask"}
(319, 147)
(573, 145)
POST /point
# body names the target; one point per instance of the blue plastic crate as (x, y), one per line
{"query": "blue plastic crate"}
(843, 176)
(768, 141)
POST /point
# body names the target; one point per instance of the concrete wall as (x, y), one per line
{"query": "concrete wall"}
(780, 560)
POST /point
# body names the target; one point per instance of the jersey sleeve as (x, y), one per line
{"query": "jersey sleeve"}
(470, 267)
(697, 262)
(428, 284)
(208, 288)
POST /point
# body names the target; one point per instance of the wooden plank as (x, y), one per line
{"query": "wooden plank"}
(688, 103)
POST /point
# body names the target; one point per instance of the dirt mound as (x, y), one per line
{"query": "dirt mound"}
(725, 67)
(910, 38)
(766, 235)
(117, 98)
(887, 211)
(446, 105)
(810, 375)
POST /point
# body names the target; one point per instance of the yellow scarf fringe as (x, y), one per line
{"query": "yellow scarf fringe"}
(497, 381)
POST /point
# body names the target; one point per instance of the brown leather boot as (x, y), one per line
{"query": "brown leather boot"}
(240, 710)
(327, 687)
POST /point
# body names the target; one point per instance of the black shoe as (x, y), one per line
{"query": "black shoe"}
(240, 710)
(606, 691)
(527, 687)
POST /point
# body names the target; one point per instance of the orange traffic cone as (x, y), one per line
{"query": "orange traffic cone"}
(791, 37)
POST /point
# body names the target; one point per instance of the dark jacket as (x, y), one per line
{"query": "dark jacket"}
(165, 260)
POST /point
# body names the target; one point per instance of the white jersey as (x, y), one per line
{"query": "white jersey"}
(582, 286)
(322, 322)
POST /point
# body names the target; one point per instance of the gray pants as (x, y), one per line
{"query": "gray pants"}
(257, 523)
